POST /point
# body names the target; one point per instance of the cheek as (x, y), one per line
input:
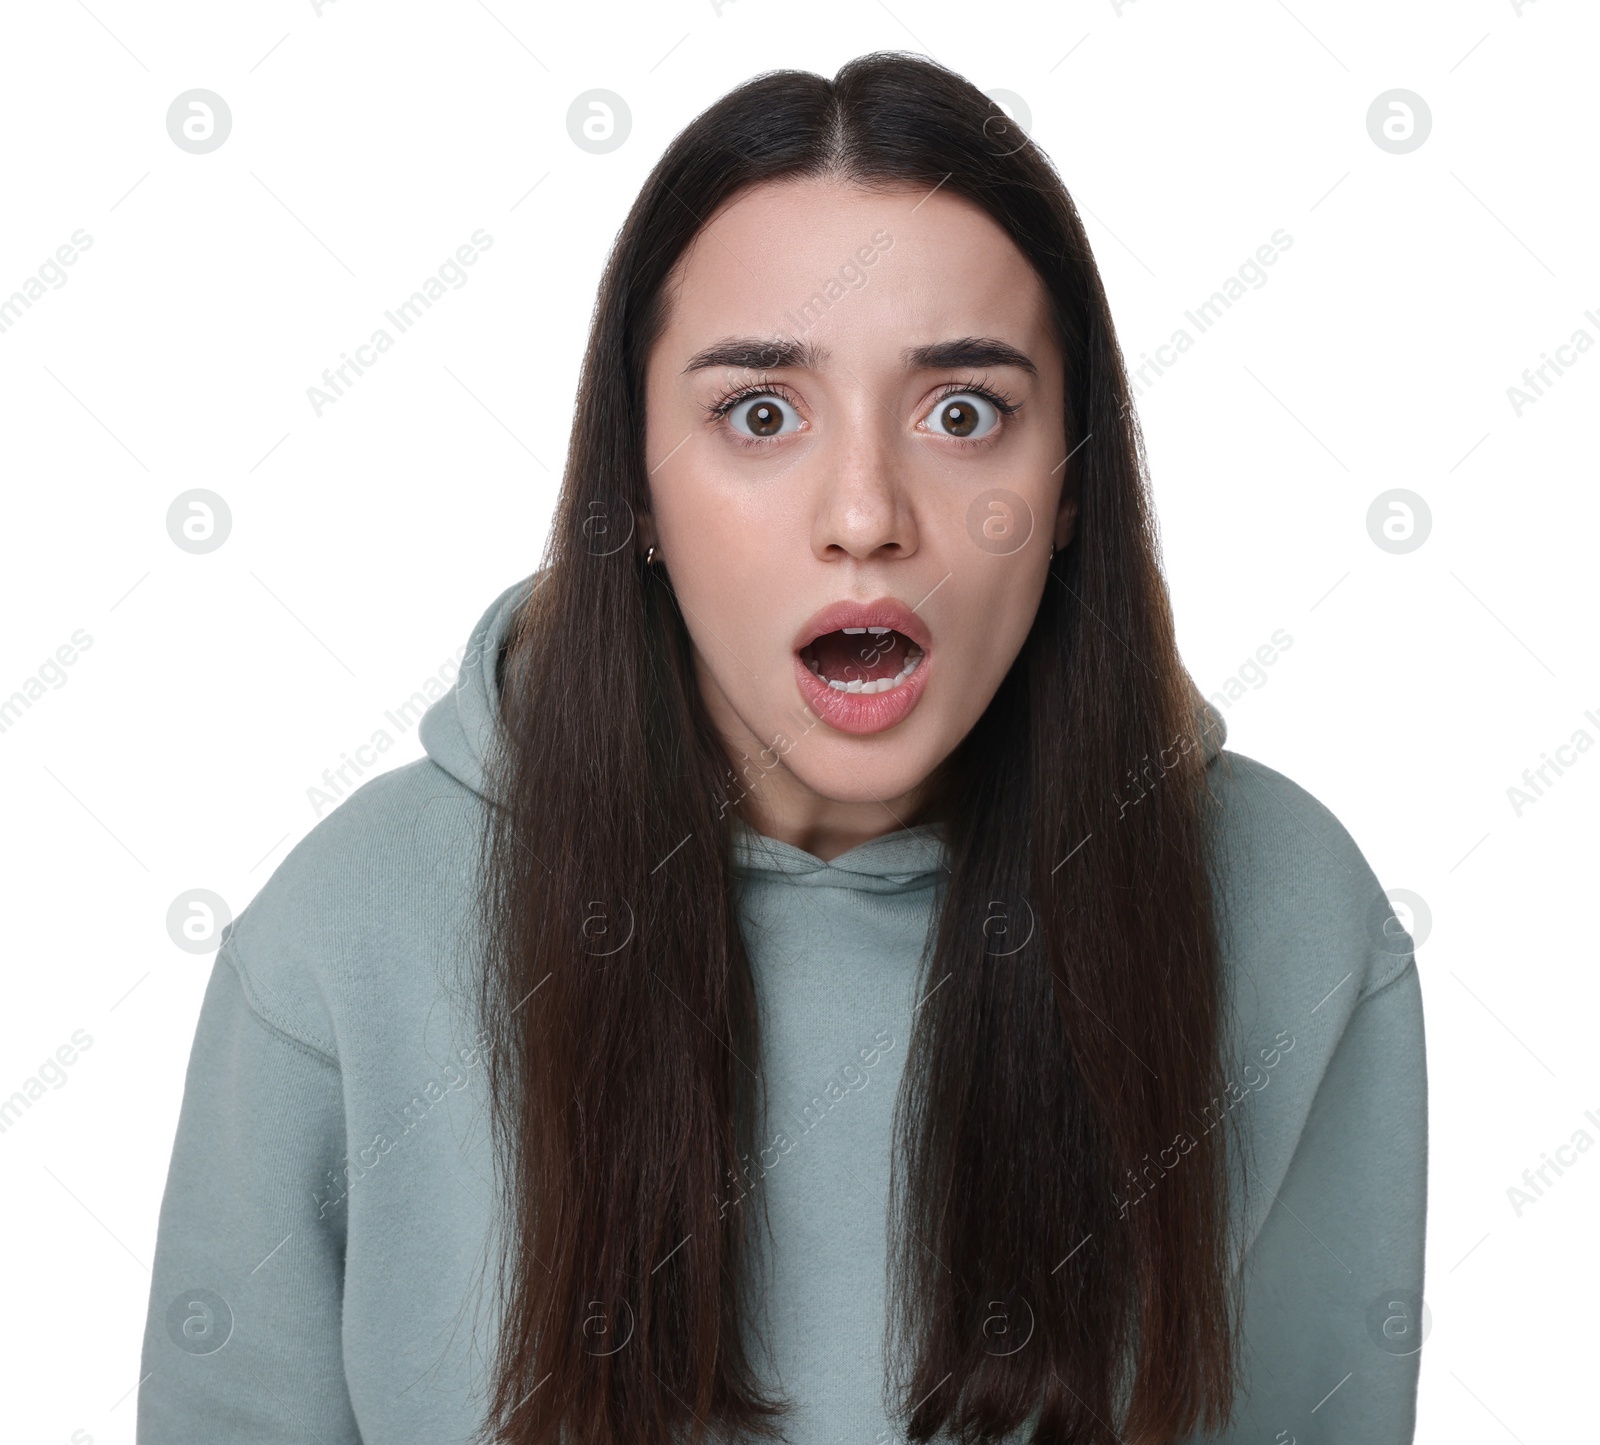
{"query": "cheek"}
(724, 564)
(1001, 506)
(733, 513)
(996, 615)
(704, 525)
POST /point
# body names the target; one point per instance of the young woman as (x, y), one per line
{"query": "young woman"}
(826, 980)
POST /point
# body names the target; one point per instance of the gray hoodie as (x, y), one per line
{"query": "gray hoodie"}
(319, 1268)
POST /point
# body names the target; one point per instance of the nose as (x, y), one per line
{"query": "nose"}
(863, 505)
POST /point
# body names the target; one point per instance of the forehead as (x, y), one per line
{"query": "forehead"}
(893, 266)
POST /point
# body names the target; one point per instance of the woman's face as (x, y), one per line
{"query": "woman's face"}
(856, 399)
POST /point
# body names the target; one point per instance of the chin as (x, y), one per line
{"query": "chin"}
(866, 783)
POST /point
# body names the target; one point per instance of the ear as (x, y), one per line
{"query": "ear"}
(1067, 512)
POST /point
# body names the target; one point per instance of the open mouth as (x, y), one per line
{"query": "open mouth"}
(863, 659)
(862, 667)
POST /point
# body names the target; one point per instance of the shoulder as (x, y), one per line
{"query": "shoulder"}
(358, 903)
(1301, 904)
(1311, 949)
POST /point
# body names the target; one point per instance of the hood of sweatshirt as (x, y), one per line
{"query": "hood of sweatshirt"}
(456, 732)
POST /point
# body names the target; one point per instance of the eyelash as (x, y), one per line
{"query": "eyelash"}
(718, 410)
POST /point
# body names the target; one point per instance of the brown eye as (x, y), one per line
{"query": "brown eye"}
(763, 416)
(964, 415)
(958, 418)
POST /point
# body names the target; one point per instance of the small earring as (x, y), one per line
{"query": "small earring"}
(650, 556)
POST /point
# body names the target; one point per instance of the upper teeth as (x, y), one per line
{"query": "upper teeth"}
(876, 631)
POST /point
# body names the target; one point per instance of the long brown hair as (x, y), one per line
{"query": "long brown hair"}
(617, 994)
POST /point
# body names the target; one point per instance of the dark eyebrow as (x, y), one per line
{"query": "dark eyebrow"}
(755, 353)
(968, 351)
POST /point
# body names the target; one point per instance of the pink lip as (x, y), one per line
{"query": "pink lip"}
(885, 612)
(863, 713)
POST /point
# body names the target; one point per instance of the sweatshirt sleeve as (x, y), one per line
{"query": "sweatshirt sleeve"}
(242, 1339)
(1333, 1319)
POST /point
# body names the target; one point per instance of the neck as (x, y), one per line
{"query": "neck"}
(828, 827)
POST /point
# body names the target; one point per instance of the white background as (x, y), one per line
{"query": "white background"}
(369, 141)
